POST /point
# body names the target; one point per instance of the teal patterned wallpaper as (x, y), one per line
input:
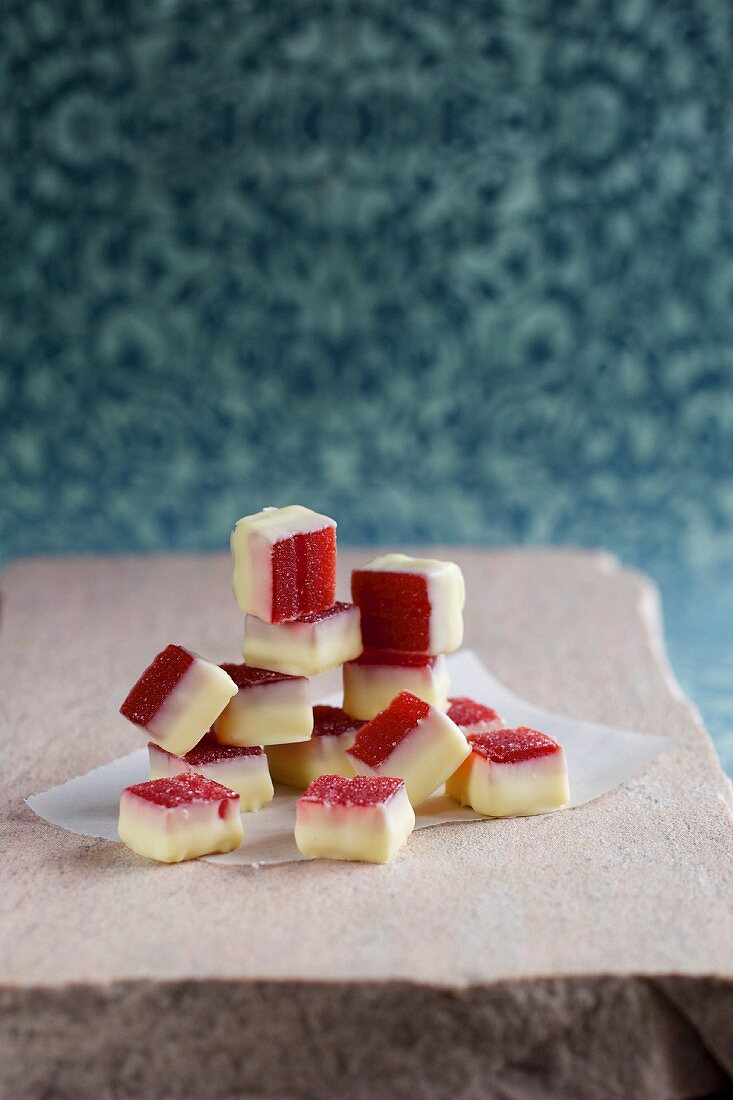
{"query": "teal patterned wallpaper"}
(445, 270)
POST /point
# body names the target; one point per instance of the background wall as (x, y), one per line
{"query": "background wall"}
(445, 270)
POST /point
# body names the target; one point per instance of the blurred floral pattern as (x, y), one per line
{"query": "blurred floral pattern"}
(447, 271)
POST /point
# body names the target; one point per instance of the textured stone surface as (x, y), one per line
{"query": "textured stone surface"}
(585, 954)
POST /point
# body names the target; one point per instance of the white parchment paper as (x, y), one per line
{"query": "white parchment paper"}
(599, 758)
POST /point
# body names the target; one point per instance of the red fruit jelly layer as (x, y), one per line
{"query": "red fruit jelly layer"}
(395, 609)
(183, 790)
(393, 658)
(328, 613)
(467, 712)
(303, 574)
(512, 746)
(209, 751)
(249, 676)
(156, 683)
(377, 739)
(362, 790)
(333, 721)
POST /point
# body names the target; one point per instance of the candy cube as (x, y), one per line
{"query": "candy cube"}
(413, 740)
(373, 679)
(177, 698)
(243, 769)
(181, 818)
(269, 708)
(511, 772)
(473, 717)
(284, 563)
(324, 754)
(307, 646)
(410, 604)
(366, 818)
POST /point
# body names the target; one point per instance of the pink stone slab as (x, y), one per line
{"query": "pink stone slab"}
(585, 954)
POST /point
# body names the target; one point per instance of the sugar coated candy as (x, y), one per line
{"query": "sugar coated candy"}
(511, 773)
(473, 717)
(315, 643)
(284, 563)
(242, 768)
(366, 818)
(325, 753)
(413, 740)
(410, 604)
(177, 698)
(181, 818)
(269, 708)
(374, 678)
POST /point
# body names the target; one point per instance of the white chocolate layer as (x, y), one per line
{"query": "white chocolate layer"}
(247, 776)
(371, 688)
(193, 705)
(274, 713)
(251, 544)
(446, 595)
(302, 648)
(369, 834)
(298, 765)
(172, 834)
(424, 758)
(520, 789)
(482, 727)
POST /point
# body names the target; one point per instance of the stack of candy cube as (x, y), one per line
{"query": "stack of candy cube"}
(219, 735)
